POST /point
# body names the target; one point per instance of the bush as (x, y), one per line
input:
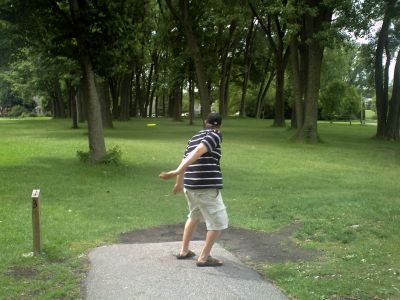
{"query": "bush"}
(113, 156)
(17, 111)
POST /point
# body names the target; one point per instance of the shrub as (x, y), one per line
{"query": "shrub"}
(113, 156)
(17, 111)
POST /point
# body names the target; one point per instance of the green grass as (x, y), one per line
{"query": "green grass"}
(349, 179)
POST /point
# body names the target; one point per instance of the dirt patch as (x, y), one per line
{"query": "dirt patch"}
(249, 245)
(22, 272)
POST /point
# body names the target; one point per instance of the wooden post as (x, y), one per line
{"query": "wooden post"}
(37, 235)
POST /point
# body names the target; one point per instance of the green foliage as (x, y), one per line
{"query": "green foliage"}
(17, 111)
(338, 100)
(113, 156)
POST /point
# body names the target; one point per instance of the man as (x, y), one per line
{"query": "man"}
(199, 176)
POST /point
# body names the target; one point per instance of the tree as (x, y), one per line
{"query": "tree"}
(385, 47)
(183, 14)
(276, 30)
(339, 100)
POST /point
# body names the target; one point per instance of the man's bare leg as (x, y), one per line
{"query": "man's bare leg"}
(212, 236)
(190, 228)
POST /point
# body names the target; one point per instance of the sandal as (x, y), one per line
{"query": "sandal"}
(210, 262)
(189, 254)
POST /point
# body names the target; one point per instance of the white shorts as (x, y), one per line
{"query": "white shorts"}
(207, 205)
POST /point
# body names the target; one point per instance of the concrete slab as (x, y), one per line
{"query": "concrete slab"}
(151, 271)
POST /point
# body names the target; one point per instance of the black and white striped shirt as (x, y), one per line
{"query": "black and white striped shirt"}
(205, 173)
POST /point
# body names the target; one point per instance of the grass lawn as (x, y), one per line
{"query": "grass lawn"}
(345, 191)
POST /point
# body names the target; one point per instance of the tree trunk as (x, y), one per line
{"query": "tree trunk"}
(103, 90)
(279, 119)
(72, 93)
(164, 109)
(297, 84)
(313, 25)
(263, 92)
(228, 77)
(97, 148)
(191, 101)
(246, 75)
(193, 46)
(276, 43)
(175, 102)
(247, 66)
(148, 89)
(80, 105)
(114, 84)
(125, 93)
(139, 96)
(309, 131)
(59, 108)
(153, 106)
(392, 130)
(381, 92)
(225, 70)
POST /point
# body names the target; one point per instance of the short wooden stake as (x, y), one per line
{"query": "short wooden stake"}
(37, 235)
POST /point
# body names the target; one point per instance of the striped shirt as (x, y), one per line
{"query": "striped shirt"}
(205, 173)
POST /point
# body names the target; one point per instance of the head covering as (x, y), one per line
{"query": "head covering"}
(214, 119)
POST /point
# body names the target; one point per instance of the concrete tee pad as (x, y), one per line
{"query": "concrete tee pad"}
(151, 271)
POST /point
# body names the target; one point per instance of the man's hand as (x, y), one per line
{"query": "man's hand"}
(178, 188)
(168, 175)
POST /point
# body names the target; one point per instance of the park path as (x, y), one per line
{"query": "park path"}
(150, 271)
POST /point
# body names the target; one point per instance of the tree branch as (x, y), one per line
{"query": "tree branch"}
(266, 30)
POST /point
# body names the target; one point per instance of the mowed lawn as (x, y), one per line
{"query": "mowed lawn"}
(345, 192)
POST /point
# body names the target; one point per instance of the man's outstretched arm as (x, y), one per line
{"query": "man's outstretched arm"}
(190, 159)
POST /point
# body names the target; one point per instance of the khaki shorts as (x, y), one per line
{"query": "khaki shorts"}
(207, 205)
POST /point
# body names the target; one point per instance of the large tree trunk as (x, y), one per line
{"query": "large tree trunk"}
(97, 147)
(380, 82)
(309, 131)
(392, 130)
(297, 84)
(313, 25)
